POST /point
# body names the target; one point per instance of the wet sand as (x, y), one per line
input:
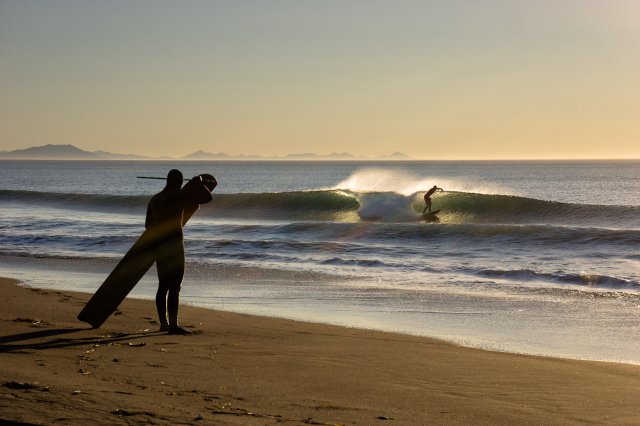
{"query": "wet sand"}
(244, 370)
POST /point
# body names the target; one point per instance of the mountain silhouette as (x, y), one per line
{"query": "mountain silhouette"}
(66, 152)
(71, 152)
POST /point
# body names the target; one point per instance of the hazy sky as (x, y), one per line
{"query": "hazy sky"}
(434, 79)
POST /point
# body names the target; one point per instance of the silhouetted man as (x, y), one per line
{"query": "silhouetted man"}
(164, 218)
(427, 198)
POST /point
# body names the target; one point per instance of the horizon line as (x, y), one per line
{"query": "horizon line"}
(284, 159)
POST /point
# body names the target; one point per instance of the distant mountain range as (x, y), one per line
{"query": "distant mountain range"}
(203, 155)
(65, 152)
(71, 152)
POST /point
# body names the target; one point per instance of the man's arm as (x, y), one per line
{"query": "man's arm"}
(188, 211)
(148, 220)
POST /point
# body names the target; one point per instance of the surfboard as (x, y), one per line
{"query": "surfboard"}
(137, 261)
(431, 216)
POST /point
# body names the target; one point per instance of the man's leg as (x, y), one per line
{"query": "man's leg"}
(170, 273)
(173, 301)
(172, 307)
(428, 206)
(161, 298)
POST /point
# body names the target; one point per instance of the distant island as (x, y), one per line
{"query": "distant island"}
(71, 152)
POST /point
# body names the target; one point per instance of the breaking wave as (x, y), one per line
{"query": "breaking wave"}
(349, 206)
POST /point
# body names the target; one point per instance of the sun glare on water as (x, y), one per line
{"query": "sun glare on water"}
(382, 180)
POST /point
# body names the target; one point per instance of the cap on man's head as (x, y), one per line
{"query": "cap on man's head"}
(174, 177)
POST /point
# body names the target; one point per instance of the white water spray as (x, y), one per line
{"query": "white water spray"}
(383, 180)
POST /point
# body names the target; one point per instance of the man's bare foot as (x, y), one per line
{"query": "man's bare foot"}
(178, 330)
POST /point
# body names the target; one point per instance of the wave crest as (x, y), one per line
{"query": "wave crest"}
(341, 205)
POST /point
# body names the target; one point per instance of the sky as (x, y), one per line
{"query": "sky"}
(457, 79)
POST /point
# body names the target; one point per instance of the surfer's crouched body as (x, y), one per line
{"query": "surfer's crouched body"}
(427, 198)
(165, 221)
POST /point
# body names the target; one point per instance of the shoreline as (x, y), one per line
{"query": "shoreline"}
(523, 328)
(245, 369)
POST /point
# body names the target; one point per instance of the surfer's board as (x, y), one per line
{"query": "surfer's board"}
(431, 216)
(139, 259)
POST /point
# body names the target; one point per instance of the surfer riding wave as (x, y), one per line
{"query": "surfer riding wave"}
(427, 198)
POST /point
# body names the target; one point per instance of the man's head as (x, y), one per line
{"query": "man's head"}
(174, 178)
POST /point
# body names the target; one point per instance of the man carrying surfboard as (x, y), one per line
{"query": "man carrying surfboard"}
(427, 198)
(160, 243)
(165, 220)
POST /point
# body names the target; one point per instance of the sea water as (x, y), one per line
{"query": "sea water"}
(533, 257)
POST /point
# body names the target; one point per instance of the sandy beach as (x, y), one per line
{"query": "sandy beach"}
(241, 369)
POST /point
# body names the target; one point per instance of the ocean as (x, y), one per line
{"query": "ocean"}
(533, 257)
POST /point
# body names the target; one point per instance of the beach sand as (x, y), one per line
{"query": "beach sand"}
(241, 369)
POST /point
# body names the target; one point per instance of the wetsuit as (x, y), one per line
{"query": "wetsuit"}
(164, 219)
(427, 198)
